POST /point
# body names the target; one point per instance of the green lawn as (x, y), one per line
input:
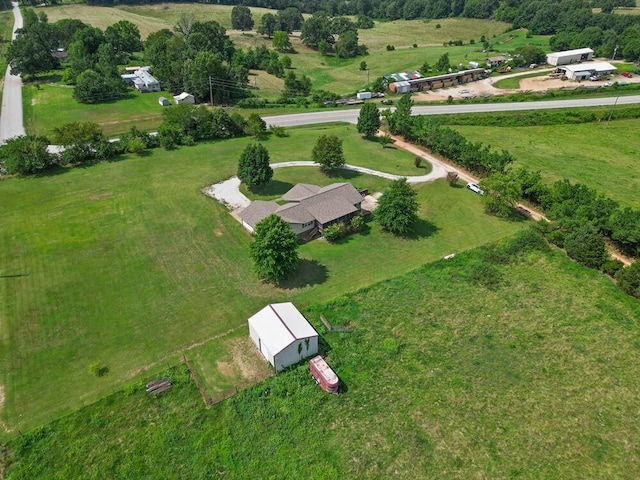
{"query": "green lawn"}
(514, 82)
(443, 377)
(127, 264)
(600, 155)
(50, 105)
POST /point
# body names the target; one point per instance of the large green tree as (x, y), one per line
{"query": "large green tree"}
(502, 192)
(400, 121)
(253, 168)
(241, 18)
(629, 279)
(124, 36)
(25, 155)
(281, 41)
(268, 25)
(397, 209)
(369, 120)
(275, 249)
(328, 153)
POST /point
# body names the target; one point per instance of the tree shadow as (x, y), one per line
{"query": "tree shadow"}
(307, 273)
(273, 188)
(342, 173)
(422, 229)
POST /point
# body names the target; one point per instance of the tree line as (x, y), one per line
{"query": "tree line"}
(582, 220)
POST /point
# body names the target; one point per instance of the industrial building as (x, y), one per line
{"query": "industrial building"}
(584, 71)
(439, 81)
(568, 57)
(283, 335)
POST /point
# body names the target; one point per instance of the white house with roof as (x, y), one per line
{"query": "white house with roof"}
(142, 80)
(283, 335)
(309, 209)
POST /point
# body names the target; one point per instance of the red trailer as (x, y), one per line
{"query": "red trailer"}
(323, 375)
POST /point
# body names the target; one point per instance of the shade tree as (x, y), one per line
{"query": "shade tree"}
(275, 249)
(397, 209)
(328, 153)
(253, 168)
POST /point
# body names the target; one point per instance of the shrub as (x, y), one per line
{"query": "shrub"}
(611, 267)
(628, 279)
(356, 223)
(586, 245)
(390, 48)
(278, 131)
(333, 232)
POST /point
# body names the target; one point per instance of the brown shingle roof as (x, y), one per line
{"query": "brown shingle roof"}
(331, 209)
(257, 211)
(300, 191)
(295, 213)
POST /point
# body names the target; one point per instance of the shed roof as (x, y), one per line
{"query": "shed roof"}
(589, 67)
(182, 96)
(300, 191)
(257, 211)
(280, 324)
(577, 51)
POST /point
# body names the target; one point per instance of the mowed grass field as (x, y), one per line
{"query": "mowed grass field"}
(127, 264)
(443, 377)
(600, 155)
(50, 105)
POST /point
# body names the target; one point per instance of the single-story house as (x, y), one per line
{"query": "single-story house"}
(142, 80)
(163, 101)
(184, 97)
(568, 57)
(495, 61)
(309, 209)
(583, 71)
(283, 335)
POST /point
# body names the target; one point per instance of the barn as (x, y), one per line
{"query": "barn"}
(567, 57)
(283, 335)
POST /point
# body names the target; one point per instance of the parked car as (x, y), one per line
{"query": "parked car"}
(475, 188)
(607, 84)
(626, 74)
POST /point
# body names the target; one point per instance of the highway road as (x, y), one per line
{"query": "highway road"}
(351, 116)
(11, 123)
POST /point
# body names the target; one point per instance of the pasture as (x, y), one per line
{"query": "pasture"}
(464, 368)
(342, 76)
(128, 264)
(601, 155)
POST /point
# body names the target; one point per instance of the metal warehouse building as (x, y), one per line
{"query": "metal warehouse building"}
(283, 335)
(570, 56)
(585, 70)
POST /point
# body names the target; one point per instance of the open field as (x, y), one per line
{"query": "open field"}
(127, 264)
(47, 106)
(602, 156)
(330, 73)
(443, 378)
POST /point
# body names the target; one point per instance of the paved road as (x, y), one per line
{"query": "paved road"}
(11, 124)
(351, 116)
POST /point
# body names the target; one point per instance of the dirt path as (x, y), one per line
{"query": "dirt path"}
(465, 176)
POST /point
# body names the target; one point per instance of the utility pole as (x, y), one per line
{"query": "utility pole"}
(615, 50)
(210, 91)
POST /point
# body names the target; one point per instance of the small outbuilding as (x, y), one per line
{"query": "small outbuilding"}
(163, 101)
(567, 57)
(400, 87)
(184, 97)
(283, 335)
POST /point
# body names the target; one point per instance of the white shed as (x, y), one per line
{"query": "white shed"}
(164, 101)
(184, 97)
(283, 335)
